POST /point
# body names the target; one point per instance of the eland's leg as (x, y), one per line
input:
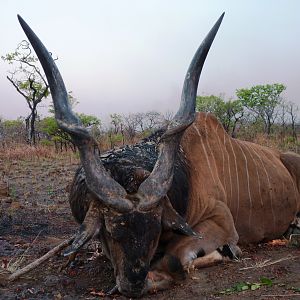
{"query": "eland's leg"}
(219, 240)
(182, 253)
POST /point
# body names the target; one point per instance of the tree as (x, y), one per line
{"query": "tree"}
(211, 104)
(50, 127)
(116, 130)
(29, 82)
(293, 111)
(234, 114)
(93, 124)
(139, 120)
(168, 116)
(116, 121)
(12, 131)
(130, 126)
(89, 120)
(263, 101)
(153, 120)
(229, 113)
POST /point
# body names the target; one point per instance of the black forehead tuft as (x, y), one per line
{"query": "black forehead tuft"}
(136, 231)
(122, 164)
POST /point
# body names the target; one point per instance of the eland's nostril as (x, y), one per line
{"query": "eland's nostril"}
(132, 293)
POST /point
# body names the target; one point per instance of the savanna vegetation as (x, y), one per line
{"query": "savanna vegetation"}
(37, 164)
(259, 113)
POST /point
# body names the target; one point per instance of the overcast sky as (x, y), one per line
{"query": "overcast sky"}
(131, 56)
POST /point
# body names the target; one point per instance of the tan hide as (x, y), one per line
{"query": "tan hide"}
(250, 179)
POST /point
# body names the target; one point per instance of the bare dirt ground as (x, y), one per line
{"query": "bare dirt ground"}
(35, 217)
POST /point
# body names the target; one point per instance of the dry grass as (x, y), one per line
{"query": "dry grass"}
(19, 151)
(31, 153)
(263, 140)
(276, 142)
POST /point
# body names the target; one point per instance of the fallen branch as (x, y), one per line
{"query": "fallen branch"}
(40, 260)
(280, 296)
(268, 263)
(14, 264)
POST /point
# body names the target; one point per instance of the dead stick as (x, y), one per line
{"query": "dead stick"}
(268, 263)
(40, 260)
(283, 295)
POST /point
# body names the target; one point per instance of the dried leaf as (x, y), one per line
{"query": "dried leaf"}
(99, 293)
(195, 278)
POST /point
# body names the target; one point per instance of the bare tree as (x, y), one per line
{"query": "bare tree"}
(130, 126)
(29, 82)
(139, 120)
(293, 111)
(116, 121)
(168, 115)
(116, 130)
(282, 118)
(153, 120)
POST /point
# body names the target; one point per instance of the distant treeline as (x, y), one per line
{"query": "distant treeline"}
(257, 114)
(121, 130)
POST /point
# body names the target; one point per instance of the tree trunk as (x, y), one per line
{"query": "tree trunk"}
(294, 133)
(233, 132)
(32, 126)
(27, 128)
(268, 126)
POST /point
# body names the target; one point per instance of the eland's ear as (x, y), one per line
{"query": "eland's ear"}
(137, 176)
(89, 228)
(140, 175)
(171, 220)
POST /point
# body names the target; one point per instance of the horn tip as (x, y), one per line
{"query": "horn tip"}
(21, 21)
(20, 18)
(221, 17)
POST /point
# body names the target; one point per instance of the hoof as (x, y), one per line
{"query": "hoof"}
(294, 240)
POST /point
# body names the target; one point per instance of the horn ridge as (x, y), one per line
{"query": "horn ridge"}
(98, 180)
(187, 107)
(156, 186)
(63, 111)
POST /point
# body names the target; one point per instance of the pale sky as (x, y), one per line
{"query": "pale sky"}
(122, 56)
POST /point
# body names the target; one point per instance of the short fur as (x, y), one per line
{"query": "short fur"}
(253, 181)
(229, 191)
(239, 191)
(127, 165)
